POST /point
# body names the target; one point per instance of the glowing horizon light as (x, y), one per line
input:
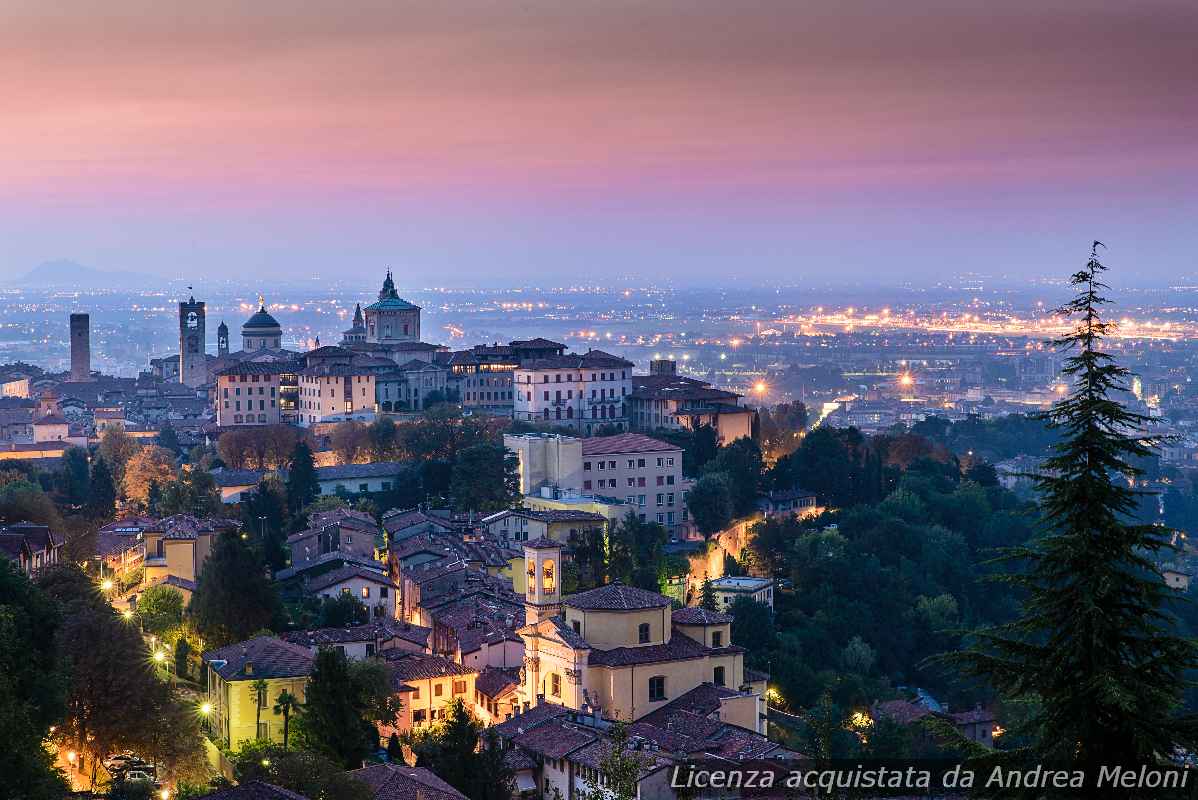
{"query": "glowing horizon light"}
(760, 387)
(906, 380)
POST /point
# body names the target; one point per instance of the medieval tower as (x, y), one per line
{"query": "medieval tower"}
(193, 363)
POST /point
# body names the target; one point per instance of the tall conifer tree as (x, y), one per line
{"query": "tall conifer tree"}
(1094, 652)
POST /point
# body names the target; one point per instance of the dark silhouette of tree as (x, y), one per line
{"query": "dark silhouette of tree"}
(302, 486)
(710, 503)
(1093, 647)
(233, 596)
(484, 479)
(101, 493)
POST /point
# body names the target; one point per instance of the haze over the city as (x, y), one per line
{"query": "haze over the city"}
(483, 143)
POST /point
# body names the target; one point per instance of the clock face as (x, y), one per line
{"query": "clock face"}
(193, 319)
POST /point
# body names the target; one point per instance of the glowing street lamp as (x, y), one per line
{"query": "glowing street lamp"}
(205, 708)
(107, 585)
(159, 656)
(127, 614)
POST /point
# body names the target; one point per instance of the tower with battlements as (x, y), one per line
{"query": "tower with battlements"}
(193, 362)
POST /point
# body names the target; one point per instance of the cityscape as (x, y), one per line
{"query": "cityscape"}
(582, 403)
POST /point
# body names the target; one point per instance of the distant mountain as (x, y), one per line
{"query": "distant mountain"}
(64, 272)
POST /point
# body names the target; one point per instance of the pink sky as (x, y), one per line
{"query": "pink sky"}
(134, 130)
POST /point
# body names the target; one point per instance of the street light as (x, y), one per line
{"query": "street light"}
(159, 656)
(205, 708)
(106, 585)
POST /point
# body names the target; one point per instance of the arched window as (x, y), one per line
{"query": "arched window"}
(643, 633)
(548, 576)
(718, 677)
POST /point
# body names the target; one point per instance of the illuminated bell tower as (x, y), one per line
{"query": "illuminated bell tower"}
(193, 363)
(222, 340)
(542, 563)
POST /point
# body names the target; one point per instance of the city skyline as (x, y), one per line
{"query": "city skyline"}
(595, 145)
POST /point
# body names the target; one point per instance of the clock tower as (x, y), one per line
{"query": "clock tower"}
(193, 362)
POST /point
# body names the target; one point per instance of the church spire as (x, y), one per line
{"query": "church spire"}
(358, 323)
(388, 291)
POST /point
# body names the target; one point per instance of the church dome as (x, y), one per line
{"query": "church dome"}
(262, 320)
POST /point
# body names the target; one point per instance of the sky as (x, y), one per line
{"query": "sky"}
(540, 142)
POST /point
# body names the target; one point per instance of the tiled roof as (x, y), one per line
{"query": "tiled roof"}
(493, 681)
(270, 658)
(346, 573)
(539, 343)
(39, 537)
(407, 666)
(903, 712)
(592, 359)
(259, 368)
(543, 543)
(697, 615)
(538, 714)
(345, 517)
(554, 739)
(226, 478)
(253, 790)
(617, 597)
(401, 782)
(383, 629)
(569, 635)
(703, 700)
(380, 469)
(679, 648)
(625, 443)
(179, 583)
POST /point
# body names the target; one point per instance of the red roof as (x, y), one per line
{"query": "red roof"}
(624, 443)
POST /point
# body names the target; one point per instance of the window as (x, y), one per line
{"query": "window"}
(717, 639)
(459, 687)
(438, 689)
(718, 677)
(365, 592)
(661, 499)
(586, 466)
(416, 694)
(577, 626)
(418, 716)
(657, 688)
(642, 633)
(555, 685)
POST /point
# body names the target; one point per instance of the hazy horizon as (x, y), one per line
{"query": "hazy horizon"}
(487, 144)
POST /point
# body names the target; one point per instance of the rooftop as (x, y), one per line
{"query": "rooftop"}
(625, 443)
(697, 615)
(266, 657)
(617, 597)
(401, 782)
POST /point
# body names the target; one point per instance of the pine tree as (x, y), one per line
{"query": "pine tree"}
(1093, 649)
(707, 595)
(302, 486)
(233, 597)
(101, 496)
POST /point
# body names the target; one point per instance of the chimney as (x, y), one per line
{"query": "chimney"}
(81, 348)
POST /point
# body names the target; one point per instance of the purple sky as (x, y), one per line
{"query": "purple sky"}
(469, 142)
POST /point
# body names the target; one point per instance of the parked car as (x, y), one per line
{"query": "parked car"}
(140, 776)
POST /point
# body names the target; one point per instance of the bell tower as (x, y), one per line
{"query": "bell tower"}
(222, 339)
(193, 362)
(542, 565)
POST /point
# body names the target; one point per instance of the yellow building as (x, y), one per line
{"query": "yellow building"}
(237, 704)
(179, 546)
(426, 684)
(621, 651)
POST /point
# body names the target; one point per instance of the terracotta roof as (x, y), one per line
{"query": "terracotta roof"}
(270, 658)
(179, 583)
(697, 615)
(554, 739)
(703, 700)
(625, 443)
(902, 711)
(617, 597)
(253, 790)
(380, 469)
(679, 648)
(401, 782)
(407, 666)
(592, 359)
(346, 573)
(493, 681)
(383, 629)
(543, 543)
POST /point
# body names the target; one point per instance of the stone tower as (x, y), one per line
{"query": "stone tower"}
(222, 339)
(543, 595)
(193, 363)
(81, 348)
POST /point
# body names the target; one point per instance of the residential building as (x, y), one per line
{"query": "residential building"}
(358, 642)
(179, 546)
(406, 387)
(786, 502)
(237, 705)
(546, 460)
(373, 588)
(334, 390)
(515, 526)
(340, 531)
(400, 782)
(351, 479)
(729, 588)
(582, 392)
(674, 402)
(427, 685)
(30, 546)
(645, 472)
(249, 393)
